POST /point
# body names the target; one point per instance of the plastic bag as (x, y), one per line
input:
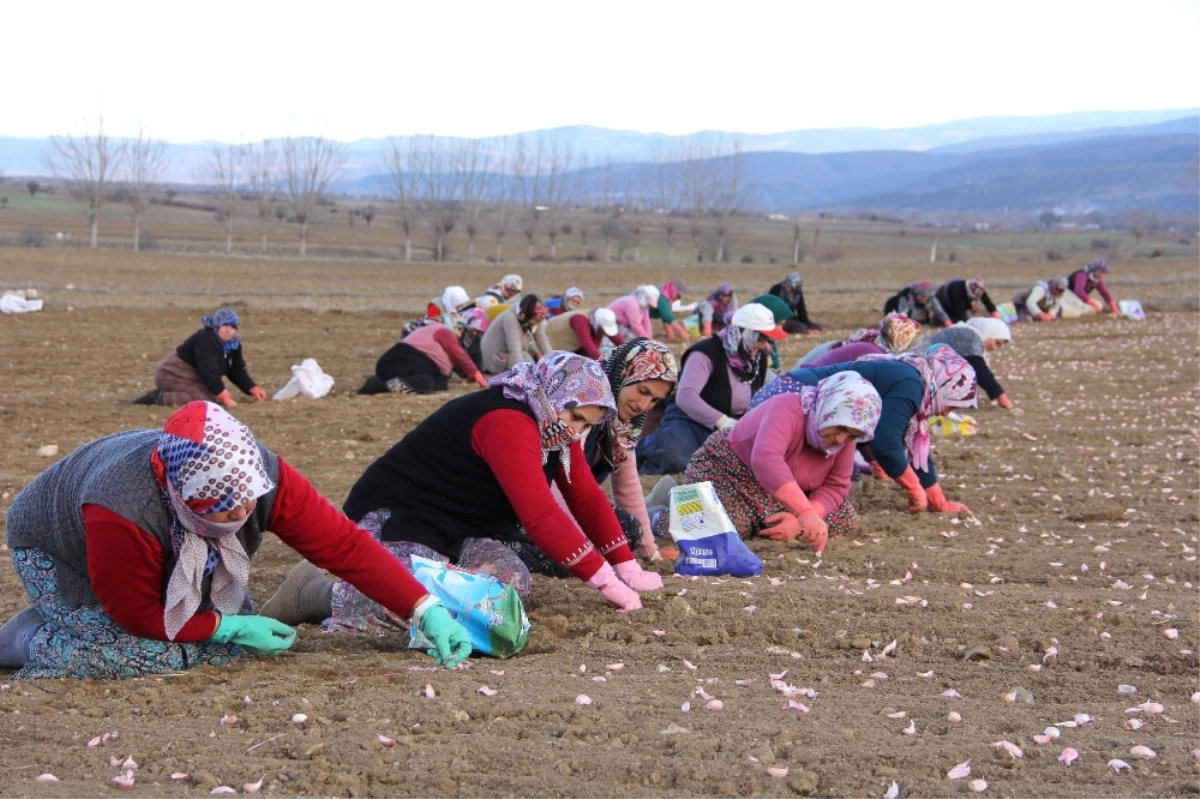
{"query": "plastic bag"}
(307, 381)
(708, 543)
(1008, 312)
(954, 424)
(1132, 309)
(491, 611)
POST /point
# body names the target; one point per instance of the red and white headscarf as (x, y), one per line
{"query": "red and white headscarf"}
(206, 462)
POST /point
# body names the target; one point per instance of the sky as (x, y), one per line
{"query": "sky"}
(244, 71)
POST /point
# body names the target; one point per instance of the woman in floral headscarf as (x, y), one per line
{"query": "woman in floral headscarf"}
(478, 470)
(896, 334)
(195, 371)
(784, 469)
(914, 389)
(919, 302)
(715, 310)
(135, 552)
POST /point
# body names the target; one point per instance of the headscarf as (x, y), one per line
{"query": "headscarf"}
(453, 298)
(793, 280)
(513, 282)
(1057, 283)
(634, 361)
(739, 351)
(895, 334)
(225, 316)
(558, 382)
(922, 288)
(975, 287)
(572, 292)
(674, 289)
(646, 296)
(950, 382)
(987, 328)
(844, 399)
(206, 462)
(475, 319)
(725, 289)
(792, 288)
(1097, 267)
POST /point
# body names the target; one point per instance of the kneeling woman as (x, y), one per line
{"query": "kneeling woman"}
(784, 469)
(195, 370)
(422, 363)
(719, 376)
(914, 389)
(897, 333)
(973, 341)
(457, 486)
(135, 552)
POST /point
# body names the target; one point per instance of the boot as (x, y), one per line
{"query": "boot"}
(152, 397)
(661, 493)
(306, 595)
(397, 386)
(15, 637)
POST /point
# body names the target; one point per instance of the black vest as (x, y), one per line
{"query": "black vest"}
(439, 491)
(717, 392)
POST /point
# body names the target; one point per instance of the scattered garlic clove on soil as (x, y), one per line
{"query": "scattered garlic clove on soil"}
(779, 771)
(254, 787)
(179, 775)
(953, 717)
(386, 741)
(1068, 756)
(428, 692)
(221, 790)
(1144, 752)
(961, 771)
(485, 691)
(583, 699)
(893, 791)
(978, 786)
(299, 718)
(228, 720)
(124, 781)
(46, 778)
(1118, 765)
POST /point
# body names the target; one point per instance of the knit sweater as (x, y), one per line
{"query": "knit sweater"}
(205, 352)
(632, 315)
(770, 440)
(506, 343)
(441, 346)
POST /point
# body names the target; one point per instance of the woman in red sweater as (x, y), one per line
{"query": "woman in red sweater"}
(456, 488)
(135, 552)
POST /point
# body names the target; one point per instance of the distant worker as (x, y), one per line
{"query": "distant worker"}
(1043, 302)
(582, 332)
(962, 299)
(570, 300)
(918, 302)
(791, 291)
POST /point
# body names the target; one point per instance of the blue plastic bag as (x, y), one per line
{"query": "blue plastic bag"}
(491, 611)
(708, 543)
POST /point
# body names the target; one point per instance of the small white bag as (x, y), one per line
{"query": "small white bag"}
(307, 381)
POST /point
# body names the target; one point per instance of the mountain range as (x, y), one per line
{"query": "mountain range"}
(1102, 160)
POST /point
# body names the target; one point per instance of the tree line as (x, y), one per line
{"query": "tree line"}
(487, 191)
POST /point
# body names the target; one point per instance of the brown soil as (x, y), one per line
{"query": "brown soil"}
(1082, 558)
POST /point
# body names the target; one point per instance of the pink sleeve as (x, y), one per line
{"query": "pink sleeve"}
(778, 428)
(691, 383)
(627, 492)
(836, 487)
(644, 326)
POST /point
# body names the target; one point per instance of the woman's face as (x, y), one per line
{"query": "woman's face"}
(574, 301)
(992, 344)
(581, 418)
(227, 332)
(838, 436)
(238, 514)
(636, 398)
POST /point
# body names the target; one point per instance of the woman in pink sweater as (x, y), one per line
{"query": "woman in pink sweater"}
(784, 469)
(633, 312)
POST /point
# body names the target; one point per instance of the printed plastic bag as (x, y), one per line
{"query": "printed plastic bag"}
(307, 381)
(1132, 309)
(954, 424)
(1008, 312)
(491, 611)
(708, 543)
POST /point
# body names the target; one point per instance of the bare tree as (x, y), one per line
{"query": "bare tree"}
(666, 189)
(224, 168)
(561, 188)
(262, 175)
(528, 167)
(309, 164)
(397, 161)
(32, 187)
(473, 164)
(696, 180)
(730, 191)
(145, 162)
(436, 166)
(89, 162)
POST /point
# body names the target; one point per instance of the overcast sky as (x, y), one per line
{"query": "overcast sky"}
(233, 71)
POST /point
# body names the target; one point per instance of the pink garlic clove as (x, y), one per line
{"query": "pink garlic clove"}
(386, 741)
(1068, 756)
(254, 787)
(961, 771)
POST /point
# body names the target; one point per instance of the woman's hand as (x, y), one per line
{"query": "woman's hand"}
(258, 394)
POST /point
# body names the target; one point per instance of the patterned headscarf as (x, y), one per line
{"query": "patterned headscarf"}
(896, 333)
(558, 382)
(1058, 284)
(739, 351)
(845, 399)
(793, 280)
(1097, 267)
(975, 287)
(922, 288)
(206, 462)
(950, 382)
(634, 361)
(475, 319)
(674, 289)
(225, 316)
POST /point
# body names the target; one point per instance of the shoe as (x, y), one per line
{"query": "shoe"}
(397, 386)
(153, 397)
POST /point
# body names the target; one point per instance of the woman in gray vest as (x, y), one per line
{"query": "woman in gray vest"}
(135, 552)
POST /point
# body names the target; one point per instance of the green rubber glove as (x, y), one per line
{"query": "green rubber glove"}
(258, 635)
(451, 644)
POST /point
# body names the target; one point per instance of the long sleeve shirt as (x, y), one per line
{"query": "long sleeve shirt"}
(632, 315)
(1040, 300)
(506, 343)
(205, 352)
(770, 440)
(589, 340)
(509, 442)
(662, 310)
(1083, 286)
(695, 376)
(626, 492)
(441, 345)
(847, 353)
(126, 564)
(958, 303)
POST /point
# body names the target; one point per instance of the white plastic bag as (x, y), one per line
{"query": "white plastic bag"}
(20, 302)
(708, 543)
(307, 381)
(1132, 309)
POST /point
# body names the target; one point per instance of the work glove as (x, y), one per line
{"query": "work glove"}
(681, 330)
(1116, 309)
(1095, 303)
(636, 577)
(451, 644)
(258, 394)
(917, 496)
(939, 503)
(781, 526)
(947, 323)
(1004, 402)
(996, 315)
(226, 399)
(725, 422)
(1044, 317)
(615, 592)
(480, 380)
(258, 635)
(878, 472)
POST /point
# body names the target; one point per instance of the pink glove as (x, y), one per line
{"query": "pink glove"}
(480, 380)
(939, 503)
(637, 578)
(1095, 303)
(996, 315)
(1004, 402)
(615, 592)
(1044, 317)
(226, 399)
(258, 394)
(1116, 309)
(783, 527)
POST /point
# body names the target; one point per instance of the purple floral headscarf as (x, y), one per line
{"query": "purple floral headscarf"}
(845, 399)
(558, 382)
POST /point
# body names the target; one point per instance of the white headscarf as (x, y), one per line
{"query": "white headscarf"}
(988, 327)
